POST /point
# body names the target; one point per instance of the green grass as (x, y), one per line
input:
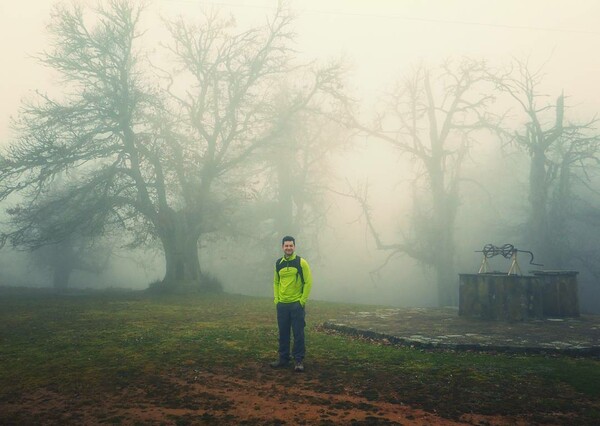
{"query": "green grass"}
(102, 341)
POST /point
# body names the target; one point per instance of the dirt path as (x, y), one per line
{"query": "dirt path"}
(255, 395)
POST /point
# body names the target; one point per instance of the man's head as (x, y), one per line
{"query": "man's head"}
(288, 244)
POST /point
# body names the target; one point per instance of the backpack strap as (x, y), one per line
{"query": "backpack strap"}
(296, 263)
(299, 269)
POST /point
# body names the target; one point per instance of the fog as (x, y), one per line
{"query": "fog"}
(383, 42)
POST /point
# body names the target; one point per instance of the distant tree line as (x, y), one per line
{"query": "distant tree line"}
(436, 116)
(231, 136)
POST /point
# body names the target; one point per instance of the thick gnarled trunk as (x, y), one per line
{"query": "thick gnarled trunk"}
(180, 244)
(181, 259)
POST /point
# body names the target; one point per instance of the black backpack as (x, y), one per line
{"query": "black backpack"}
(281, 263)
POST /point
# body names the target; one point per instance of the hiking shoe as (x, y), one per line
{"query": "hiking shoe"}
(280, 364)
(299, 367)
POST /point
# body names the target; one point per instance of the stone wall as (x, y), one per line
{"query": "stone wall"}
(497, 296)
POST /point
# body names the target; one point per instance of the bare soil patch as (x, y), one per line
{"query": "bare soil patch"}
(252, 395)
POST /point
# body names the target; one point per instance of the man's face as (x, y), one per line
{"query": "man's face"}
(288, 248)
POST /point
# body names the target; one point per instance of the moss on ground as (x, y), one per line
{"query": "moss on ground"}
(102, 341)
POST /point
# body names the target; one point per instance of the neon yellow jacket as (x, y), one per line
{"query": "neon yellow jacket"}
(287, 285)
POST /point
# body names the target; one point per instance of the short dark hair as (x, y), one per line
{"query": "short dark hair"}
(288, 238)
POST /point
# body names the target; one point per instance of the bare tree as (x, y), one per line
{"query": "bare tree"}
(71, 255)
(298, 166)
(89, 139)
(232, 113)
(560, 153)
(288, 188)
(162, 162)
(41, 229)
(432, 117)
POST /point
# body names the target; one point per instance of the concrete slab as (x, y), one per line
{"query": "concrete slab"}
(442, 328)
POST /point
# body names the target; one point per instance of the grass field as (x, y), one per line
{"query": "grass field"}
(132, 358)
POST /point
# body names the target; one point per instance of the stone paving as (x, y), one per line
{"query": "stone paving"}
(443, 328)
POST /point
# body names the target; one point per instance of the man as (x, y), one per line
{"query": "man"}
(291, 286)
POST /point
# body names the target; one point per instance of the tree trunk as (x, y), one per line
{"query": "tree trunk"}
(444, 213)
(560, 207)
(180, 244)
(284, 220)
(62, 273)
(538, 197)
(447, 280)
(64, 260)
(443, 258)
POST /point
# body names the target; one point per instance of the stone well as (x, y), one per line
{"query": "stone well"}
(497, 296)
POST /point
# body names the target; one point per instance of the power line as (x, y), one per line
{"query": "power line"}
(393, 16)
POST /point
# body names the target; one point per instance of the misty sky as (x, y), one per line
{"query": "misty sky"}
(381, 39)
